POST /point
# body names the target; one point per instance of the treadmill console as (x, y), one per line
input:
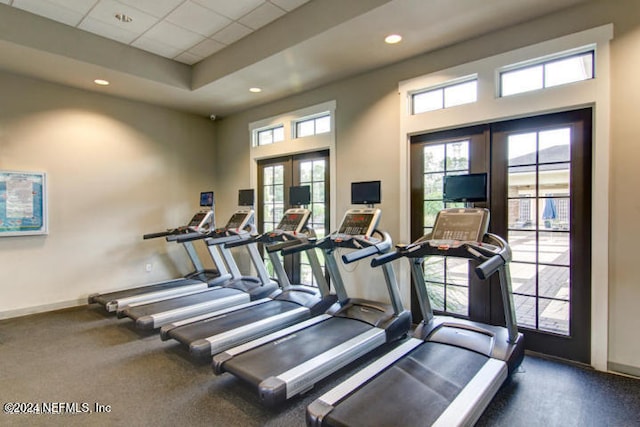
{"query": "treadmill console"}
(359, 222)
(239, 220)
(294, 220)
(201, 221)
(460, 225)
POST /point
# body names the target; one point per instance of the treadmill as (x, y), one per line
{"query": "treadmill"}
(196, 281)
(289, 362)
(238, 290)
(449, 372)
(292, 304)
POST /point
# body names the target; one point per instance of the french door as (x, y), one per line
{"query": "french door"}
(275, 176)
(540, 201)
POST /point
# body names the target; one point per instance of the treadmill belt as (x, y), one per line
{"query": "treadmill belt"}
(207, 328)
(179, 302)
(145, 289)
(412, 392)
(279, 356)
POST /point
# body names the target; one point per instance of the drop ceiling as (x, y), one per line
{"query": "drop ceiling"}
(202, 56)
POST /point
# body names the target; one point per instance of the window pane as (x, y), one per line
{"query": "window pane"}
(323, 124)
(436, 295)
(522, 213)
(525, 310)
(431, 209)
(553, 282)
(318, 170)
(305, 172)
(428, 101)
(554, 145)
(554, 316)
(278, 134)
(522, 149)
(433, 186)
(568, 70)
(457, 300)
(463, 93)
(268, 175)
(458, 156)
(279, 193)
(278, 174)
(553, 248)
(433, 269)
(457, 271)
(523, 278)
(523, 245)
(522, 80)
(434, 158)
(305, 128)
(317, 192)
(265, 137)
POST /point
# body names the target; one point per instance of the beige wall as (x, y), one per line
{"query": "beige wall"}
(367, 140)
(116, 170)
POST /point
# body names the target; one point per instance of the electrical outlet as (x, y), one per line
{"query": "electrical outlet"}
(148, 268)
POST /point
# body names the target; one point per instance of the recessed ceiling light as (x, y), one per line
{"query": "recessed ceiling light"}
(101, 82)
(393, 39)
(123, 18)
(255, 90)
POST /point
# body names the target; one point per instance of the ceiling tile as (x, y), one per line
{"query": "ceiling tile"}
(154, 46)
(81, 6)
(231, 9)
(289, 5)
(231, 33)
(50, 10)
(106, 10)
(188, 58)
(206, 48)
(261, 16)
(109, 31)
(197, 18)
(157, 8)
(172, 35)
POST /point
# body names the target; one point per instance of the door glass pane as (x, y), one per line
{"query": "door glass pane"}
(554, 145)
(451, 158)
(522, 149)
(554, 316)
(313, 174)
(523, 245)
(538, 219)
(433, 158)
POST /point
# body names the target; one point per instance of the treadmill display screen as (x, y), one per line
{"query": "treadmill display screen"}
(236, 220)
(290, 222)
(197, 219)
(356, 224)
(206, 199)
(463, 226)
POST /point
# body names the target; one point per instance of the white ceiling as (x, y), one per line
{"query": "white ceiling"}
(184, 30)
(202, 56)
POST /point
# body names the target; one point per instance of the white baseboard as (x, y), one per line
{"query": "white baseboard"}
(9, 314)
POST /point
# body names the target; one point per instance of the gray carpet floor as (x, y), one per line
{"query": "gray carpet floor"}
(85, 356)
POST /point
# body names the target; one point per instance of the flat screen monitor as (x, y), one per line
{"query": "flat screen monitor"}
(300, 196)
(245, 197)
(465, 188)
(365, 193)
(206, 199)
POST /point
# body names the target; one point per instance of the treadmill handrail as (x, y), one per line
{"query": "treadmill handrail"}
(378, 247)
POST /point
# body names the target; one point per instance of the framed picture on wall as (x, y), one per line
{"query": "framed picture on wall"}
(23, 203)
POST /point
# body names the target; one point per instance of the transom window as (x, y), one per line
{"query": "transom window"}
(445, 96)
(544, 74)
(313, 126)
(269, 136)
